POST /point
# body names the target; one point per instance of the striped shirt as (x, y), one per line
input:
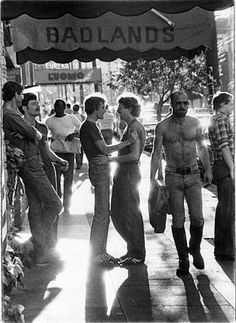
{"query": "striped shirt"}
(221, 135)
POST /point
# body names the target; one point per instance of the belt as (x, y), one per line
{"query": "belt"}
(182, 170)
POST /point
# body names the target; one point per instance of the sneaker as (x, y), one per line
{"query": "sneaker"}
(105, 260)
(122, 257)
(130, 261)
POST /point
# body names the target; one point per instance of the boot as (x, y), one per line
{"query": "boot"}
(194, 246)
(182, 249)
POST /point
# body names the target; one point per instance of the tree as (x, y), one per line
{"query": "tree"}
(162, 77)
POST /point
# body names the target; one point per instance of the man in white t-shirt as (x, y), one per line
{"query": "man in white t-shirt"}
(107, 126)
(65, 143)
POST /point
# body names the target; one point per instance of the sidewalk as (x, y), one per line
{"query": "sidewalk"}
(73, 293)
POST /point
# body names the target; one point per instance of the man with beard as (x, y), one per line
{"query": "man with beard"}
(181, 137)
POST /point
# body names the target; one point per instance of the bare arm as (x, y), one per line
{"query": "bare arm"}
(156, 152)
(133, 155)
(108, 149)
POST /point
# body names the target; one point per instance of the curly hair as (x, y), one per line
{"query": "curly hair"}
(131, 102)
(9, 90)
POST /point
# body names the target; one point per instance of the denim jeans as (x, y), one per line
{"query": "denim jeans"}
(44, 203)
(225, 211)
(68, 178)
(125, 211)
(99, 178)
(51, 239)
(188, 187)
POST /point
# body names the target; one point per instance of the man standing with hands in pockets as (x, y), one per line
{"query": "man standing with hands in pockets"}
(181, 137)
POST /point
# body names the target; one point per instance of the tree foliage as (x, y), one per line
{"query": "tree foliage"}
(162, 76)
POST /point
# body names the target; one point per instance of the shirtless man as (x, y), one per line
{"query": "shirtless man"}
(181, 137)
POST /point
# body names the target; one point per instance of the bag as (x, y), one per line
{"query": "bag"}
(158, 207)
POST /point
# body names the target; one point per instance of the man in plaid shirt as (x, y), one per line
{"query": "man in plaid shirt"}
(222, 142)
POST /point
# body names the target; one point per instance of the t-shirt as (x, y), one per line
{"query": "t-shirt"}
(41, 127)
(89, 134)
(60, 128)
(14, 124)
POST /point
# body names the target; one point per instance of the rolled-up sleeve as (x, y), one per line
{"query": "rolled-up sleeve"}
(19, 126)
(221, 133)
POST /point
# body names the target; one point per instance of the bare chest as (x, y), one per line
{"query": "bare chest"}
(179, 134)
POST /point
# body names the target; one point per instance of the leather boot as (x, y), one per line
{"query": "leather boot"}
(194, 246)
(182, 249)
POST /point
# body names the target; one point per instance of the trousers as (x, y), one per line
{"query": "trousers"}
(44, 203)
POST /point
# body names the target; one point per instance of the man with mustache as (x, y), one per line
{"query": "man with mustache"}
(182, 139)
(31, 110)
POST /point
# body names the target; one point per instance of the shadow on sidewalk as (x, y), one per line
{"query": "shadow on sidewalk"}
(37, 293)
(134, 296)
(201, 296)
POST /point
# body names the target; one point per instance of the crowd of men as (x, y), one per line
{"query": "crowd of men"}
(179, 135)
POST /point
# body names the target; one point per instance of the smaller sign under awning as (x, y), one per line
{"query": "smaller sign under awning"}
(111, 33)
(66, 76)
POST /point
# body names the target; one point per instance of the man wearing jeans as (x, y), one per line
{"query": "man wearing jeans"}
(181, 136)
(222, 143)
(42, 198)
(97, 153)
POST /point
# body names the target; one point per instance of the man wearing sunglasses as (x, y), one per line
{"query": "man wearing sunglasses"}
(182, 139)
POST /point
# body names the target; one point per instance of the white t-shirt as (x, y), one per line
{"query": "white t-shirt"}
(60, 128)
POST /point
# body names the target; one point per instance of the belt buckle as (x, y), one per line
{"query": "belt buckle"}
(185, 171)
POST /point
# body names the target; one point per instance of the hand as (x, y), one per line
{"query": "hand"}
(232, 174)
(64, 165)
(72, 136)
(16, 135)
(133, 136)
(207, 176)
(38, 135)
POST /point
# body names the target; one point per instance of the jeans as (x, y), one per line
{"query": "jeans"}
(51, 239)
(44, 203)
(225, 211)
(125, 211)
(68, 178)
(99, 178)
(188, 187)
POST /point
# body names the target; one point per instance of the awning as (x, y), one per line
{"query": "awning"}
(110, 36)
(11, 9)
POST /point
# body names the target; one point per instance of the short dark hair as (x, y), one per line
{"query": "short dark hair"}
(220, 97)
(92, 103)
(131, 102)
(68, 105)
(59, 101)
(9, 90)
(173, 94)
(76, 107)
(26, 98)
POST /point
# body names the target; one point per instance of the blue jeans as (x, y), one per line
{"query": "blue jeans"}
(68, 178)
(125, 211)
(44, 203)
(99, 178)
(225, 211)
(188, 187)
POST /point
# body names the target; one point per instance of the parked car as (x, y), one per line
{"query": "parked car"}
(150, 134)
